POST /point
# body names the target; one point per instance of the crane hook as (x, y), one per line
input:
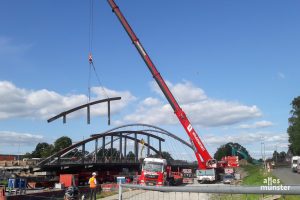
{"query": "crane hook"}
(90, 58)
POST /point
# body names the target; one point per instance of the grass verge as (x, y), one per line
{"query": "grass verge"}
(255, 177)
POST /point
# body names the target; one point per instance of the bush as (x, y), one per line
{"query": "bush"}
(4, 182)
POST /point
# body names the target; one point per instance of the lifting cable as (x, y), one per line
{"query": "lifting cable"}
(90, 58)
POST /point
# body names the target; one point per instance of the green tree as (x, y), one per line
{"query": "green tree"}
(81, 153)
(222, 151)
(130, 155)
(101, 152)
(62, 143)
(282, 156)
(42, 150)
(47, 151)
(27, 155)
(230, 149)
(166, 155)
(279, 157)
(294, 127)
(109, 153)
(275, 156)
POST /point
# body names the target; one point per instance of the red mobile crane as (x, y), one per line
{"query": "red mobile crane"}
(200, 150)
(205, 161)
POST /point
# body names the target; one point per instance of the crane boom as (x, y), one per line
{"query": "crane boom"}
(202, 155)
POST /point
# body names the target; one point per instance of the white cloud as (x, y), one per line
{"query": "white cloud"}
(184, 92)
(259, 124)
(263, 124)
(162, 114)
(116, 106)
(151, 102)
(248, 138)
(201, 109)
(19, 102)
(212, 113)
(9, 138)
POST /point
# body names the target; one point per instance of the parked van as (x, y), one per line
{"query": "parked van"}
(294, 162)
(298, 165)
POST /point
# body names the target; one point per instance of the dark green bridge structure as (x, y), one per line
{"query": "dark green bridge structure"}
(110, 149)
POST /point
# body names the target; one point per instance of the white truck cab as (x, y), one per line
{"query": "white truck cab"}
(298, 165)
(206, 175)
(294, 162)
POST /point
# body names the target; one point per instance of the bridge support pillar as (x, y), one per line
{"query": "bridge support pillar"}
(111, 147)
(83, 154)
(96, 150)
(136, 148)
(88, 116)
(160, 148)
(125, 146)
(148, 149)
(120, 146)
(103, 149)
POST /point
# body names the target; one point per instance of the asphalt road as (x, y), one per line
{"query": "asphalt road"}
(287, 176)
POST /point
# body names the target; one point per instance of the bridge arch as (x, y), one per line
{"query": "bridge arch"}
(153, 128)
(120, 135)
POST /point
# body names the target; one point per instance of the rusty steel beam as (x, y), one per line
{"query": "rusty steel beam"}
(87, 105)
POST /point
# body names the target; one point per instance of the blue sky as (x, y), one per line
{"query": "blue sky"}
(232, 65)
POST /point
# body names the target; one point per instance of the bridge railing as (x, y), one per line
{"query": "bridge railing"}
(199, 192)
(100, 160)
(70, 161)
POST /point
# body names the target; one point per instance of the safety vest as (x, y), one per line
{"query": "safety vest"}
(93, 182)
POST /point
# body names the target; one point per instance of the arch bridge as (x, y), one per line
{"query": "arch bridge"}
(122, 146)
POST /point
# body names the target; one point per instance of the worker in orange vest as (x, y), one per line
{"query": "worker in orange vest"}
(93, 186)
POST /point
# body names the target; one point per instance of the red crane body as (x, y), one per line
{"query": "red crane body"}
(202, 155)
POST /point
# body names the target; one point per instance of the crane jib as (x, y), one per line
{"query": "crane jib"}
(200, 148)
(140, 48)
(192, 131)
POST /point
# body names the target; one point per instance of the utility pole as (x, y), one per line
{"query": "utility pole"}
(261, 151)
(276, 153)
(19, 150)
(264, 152)
(263, 155)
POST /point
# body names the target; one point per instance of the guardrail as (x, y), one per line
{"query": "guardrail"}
(202, 191)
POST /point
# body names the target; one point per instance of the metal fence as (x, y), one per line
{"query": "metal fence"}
(203, 192)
